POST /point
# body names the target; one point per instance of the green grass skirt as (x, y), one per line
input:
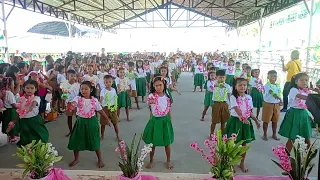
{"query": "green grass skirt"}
(229, 80)
(244, 131)
(198, 79)
(257, 97)
(10, 114)
(159, 131)
(141, 86)
(208, 98)
(32, 129)
(85, 135)
(296, 122)
(124, 99)
(148, 77)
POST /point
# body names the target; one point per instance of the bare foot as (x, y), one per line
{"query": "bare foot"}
(144, 101)
(275, 138)
(73, 163)
(68, 134)
(202, 119)
(169, 165)
(243, 168)
(128, 120)
(100, 164)
(102, 138)
(265, 138)
(149, 165)
(138, 108)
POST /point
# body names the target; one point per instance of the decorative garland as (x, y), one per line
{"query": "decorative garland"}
(131, 75)
(81, 106)
(113, 72)
(123, 83)
(247, 113)
(259, 85)
(217, 96)
(23, 105)
(273, 89)
(230, 69)
(211, 85)
(115, 106)
(154, 99)
(70, 107)
(304, 92)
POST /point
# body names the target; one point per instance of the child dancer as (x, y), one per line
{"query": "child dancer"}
(141, 81)
(158, 130)
(271, 105)
(209, 93)
(147, 68)
(241, 114)
(256, 90)
(9, 100)
(297, 120)
(224, 64)
(70, 89)
(230, 72)
(85, 133)
(220, 107)
(101, 75)
(124, 91)
(31, 126)
(91, 77)
(238, 70)
(170, 88)
(198, 77)
(113, 73)
(131, 75)
(109, 101)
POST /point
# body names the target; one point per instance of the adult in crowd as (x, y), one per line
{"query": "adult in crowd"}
(293, 67)
(50, 61)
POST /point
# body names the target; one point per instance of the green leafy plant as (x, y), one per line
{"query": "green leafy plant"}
(38, 158)
(131, 162)
(298, 166)
(224, 154)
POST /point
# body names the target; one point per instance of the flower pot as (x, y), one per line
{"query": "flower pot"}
(44, 178)
(52, 116)
(138, 177)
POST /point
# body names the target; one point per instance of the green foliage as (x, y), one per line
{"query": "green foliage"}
(228, 154)
(38, 159)
(129, 158)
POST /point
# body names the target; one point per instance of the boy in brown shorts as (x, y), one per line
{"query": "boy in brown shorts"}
(109, 101)
(271, 105)
(220, 98)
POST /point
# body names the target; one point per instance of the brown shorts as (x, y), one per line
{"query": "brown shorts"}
(133, 93)
(111, 115)
(270, 112)
(70, 112)
(220, 112)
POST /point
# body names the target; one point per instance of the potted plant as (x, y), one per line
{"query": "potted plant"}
(224, 154)
(52, 115)
(297, 166)
(131, 162)
(38, 158)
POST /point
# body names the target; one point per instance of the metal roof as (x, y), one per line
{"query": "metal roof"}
(107, 14)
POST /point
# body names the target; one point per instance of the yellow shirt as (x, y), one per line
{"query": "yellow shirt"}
(293, 67)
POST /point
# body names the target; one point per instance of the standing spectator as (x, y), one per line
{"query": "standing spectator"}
(49, 60)
(293, 67)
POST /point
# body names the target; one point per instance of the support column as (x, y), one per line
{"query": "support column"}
(4, 19)
(261, 24)
(311, 12)
(238, 34)
(70, 30)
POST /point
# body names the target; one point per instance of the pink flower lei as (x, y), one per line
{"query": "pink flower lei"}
(146, 67)
(230, 69)
(155, 99)
(200, 68)
(81, 108)
(23, 105)
(212, 85)
(302, 104)
(259, 85)
(247, 112)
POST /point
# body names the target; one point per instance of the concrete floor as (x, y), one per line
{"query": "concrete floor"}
(188, 128)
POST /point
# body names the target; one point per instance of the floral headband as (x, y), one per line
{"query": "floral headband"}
(161, 78)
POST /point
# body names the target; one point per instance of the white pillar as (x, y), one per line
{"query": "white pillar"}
(311, 13)
(70, 30)
(261, 24)
(238, 35)
(4, 19)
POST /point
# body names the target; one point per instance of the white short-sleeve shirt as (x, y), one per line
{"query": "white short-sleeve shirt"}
(9, 99)
(162, 102)
(73, 90)
(60, 78)
(87, 105)
(269, 97)
(293, 100)
(210, 85)
(141, 73)
(220, 91)
(233, 103)
(224, 65)
(112, 94)
(123, 84)
(198, 70)
(35, 111)
(231, 70)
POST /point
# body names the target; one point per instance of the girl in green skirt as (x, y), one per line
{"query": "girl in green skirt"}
(124, 92)
(6, 86)
(30, 124)
(198, 79)
(159, 130)
(241, 114)
(257, 89)
(297, 121)
(230, 72)
(141, 81)
(85, 134)
(146, 67)
(209, 93)
(169, 85)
